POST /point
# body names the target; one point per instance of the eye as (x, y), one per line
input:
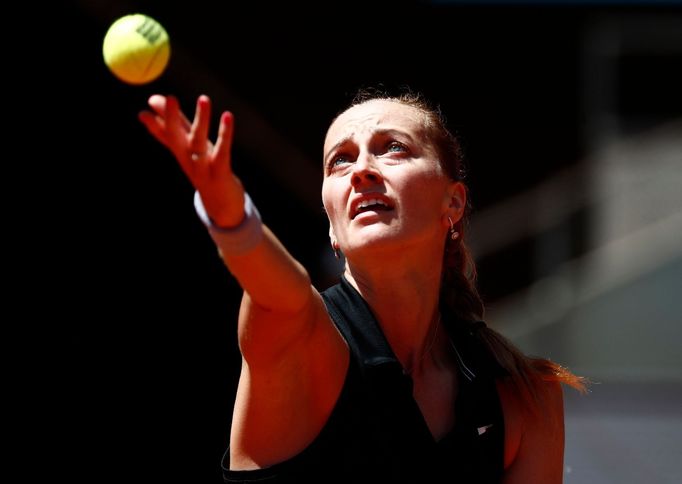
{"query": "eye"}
(338, 160)
(396, 147)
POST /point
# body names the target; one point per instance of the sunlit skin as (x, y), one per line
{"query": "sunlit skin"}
(294, 361)
(378, 150)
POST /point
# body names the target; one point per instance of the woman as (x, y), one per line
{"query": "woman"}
(390, 375)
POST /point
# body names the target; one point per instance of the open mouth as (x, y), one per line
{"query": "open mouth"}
(370, 205)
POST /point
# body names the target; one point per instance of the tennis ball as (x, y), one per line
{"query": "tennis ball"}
(136, 49)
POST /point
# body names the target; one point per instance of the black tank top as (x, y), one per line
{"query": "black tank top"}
(377, 433)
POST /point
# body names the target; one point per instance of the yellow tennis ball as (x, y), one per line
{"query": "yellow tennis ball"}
(136, 49)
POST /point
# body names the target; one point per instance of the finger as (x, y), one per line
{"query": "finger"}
(198, 133)
(155, 125)
(223, 145)
(158, 105)
(173, 116)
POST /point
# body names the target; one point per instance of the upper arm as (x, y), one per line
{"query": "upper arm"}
(293, 358)
(534, 437)
(289, 384)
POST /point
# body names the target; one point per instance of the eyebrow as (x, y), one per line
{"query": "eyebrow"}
(380, 132)
(331, 151)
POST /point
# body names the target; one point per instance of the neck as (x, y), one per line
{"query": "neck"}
(403, 295)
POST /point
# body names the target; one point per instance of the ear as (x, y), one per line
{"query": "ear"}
(456, 201)
(332, 235)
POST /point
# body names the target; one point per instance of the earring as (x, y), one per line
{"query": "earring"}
(335, 247)
(454, 235)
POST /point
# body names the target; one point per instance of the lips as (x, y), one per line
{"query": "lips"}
(369, 202)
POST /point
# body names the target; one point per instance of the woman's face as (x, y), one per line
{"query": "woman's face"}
(383, 182)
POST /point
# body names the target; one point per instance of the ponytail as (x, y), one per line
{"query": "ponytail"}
(460, 296)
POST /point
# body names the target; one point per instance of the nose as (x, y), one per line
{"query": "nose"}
(365, 171)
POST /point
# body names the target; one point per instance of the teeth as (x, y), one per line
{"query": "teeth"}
(372, 201)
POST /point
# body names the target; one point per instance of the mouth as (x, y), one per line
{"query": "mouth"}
(371, 203)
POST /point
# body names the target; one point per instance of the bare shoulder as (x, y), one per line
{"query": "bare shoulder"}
(534, 432)
(284, 399)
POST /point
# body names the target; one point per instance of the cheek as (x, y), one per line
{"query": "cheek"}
(425, 194)
(326, 198)
(331, 199)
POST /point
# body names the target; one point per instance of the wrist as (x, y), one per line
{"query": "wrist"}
(234, 240)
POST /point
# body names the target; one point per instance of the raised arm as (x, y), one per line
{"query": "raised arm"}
(293, 359)
(268, 274)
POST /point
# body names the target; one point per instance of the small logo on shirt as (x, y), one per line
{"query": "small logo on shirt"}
(484, 429)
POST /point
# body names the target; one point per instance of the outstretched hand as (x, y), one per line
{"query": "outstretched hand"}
(208, 166)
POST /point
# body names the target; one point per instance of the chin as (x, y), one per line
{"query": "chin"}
(373, 240)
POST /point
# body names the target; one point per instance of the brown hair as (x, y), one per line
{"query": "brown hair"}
(459, 293)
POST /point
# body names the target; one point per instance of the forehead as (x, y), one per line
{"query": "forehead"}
(373, 115)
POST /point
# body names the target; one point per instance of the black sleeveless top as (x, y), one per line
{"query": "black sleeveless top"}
(377, 433)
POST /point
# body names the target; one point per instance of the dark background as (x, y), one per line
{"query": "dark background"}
(150, 359)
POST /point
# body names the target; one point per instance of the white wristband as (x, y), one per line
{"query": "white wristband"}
(236, 240)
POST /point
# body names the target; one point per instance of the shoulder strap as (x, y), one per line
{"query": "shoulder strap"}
(358, 325)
